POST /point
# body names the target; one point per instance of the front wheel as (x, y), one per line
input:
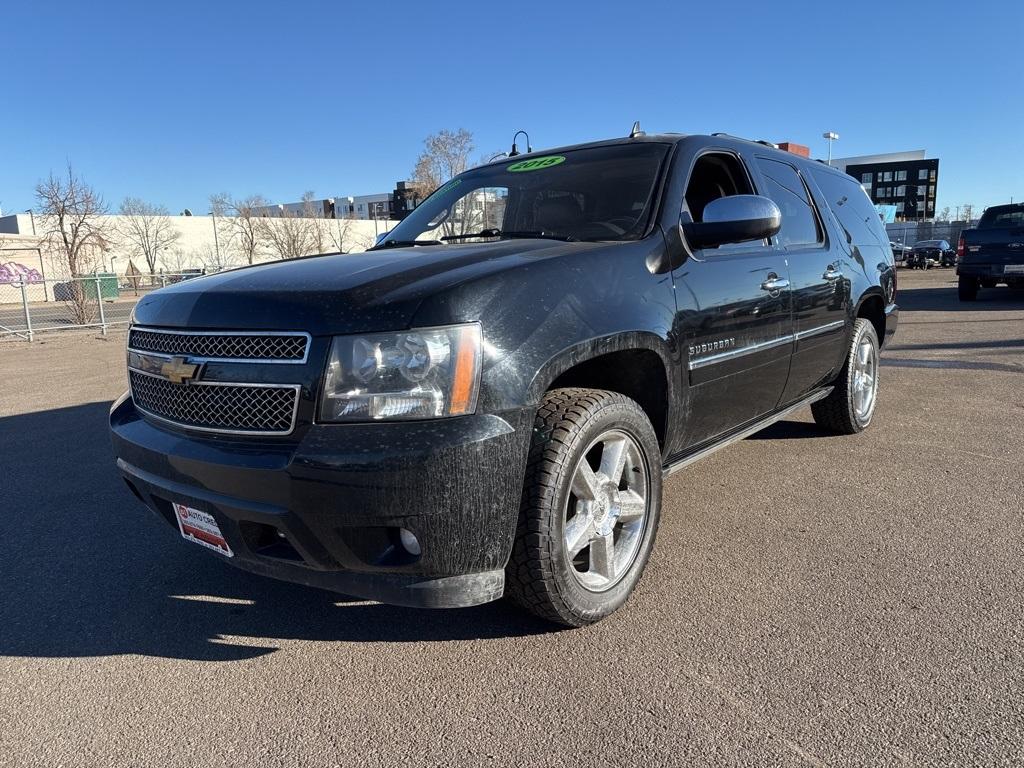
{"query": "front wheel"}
(967, 288)
(590, 507)
(851, 404)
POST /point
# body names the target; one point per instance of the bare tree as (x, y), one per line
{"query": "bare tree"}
(343, 235)
(967, 211)
(290, 235)
(319, 227)
(176, 260)
(445, 155)
(75, 232)
(73, 225)
(943, 214)
(146, 229)
(240, 222)
(215, 259)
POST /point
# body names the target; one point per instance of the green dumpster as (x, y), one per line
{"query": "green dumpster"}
(107, 284)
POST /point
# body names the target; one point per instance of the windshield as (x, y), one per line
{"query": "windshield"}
(601, 193)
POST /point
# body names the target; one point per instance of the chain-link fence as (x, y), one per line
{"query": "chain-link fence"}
(908, 233)
(30, 305)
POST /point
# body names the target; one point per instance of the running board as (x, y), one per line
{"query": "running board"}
(757, 426)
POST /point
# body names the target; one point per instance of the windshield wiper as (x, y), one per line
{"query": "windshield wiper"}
(515, 234)
(404, 244)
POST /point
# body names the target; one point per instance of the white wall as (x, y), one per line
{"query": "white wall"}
(199, 239)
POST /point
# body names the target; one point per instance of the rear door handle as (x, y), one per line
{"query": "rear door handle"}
(774, 283)
(831, 273)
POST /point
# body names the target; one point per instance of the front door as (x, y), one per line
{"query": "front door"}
(733, 314)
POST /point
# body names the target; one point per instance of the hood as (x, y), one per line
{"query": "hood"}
(339, 293)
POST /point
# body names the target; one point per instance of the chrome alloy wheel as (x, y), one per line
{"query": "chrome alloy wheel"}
(865, 379)
(606, 512)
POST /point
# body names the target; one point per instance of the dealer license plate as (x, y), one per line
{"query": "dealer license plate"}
(201, 528)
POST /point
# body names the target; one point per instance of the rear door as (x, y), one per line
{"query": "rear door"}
(733, 311)
(819, 292)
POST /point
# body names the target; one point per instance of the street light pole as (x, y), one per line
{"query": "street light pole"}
(831, 136)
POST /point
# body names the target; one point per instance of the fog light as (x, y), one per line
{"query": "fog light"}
(409, 541)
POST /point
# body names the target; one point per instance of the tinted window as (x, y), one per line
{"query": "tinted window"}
(1005, 216)
(785, 187)
(852, 208)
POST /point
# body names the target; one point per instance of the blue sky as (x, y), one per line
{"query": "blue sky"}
(174, 101)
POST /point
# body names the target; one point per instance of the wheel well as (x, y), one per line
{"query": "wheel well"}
(873, 309)
(639, 374)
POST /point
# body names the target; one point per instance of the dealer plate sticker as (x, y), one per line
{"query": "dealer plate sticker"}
(202, 529)
(1013, 269)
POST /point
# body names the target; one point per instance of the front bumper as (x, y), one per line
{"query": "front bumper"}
(326, 511)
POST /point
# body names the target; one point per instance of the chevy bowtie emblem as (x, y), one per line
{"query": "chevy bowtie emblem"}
(178, 370)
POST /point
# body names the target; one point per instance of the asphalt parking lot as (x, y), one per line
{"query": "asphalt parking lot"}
(812, 600)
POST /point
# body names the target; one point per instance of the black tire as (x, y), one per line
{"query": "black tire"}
(839, 411)
(967, 288)
(539, 576)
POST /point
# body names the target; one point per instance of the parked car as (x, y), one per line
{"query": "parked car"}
(931, 253)
(993, 252)
(900, 252)
(487, 401)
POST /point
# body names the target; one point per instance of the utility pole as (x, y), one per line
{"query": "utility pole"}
(216, 240)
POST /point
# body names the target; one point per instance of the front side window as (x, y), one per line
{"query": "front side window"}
(596, 194)
(786, 188)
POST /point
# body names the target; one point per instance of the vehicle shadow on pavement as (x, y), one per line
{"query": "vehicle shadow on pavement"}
(945, 300)
(791, 430)
(88, 571)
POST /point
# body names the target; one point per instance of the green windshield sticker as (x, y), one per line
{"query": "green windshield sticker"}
(535, 164)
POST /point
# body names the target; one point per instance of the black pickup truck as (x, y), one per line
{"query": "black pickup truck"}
(993, 252)
(487, 402)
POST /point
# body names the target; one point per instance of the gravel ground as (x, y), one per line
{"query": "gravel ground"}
(812, 600)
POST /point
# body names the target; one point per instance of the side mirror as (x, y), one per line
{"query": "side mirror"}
(380, 237)
(734, 219)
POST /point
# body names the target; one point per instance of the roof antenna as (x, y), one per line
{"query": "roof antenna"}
(636, 131)
(515, 151)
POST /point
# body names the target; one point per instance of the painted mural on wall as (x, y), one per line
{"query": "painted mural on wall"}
(14, 273)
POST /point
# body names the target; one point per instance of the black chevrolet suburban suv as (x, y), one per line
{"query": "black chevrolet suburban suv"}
(487, 401)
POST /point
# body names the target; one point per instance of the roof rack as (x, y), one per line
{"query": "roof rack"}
(752, 141)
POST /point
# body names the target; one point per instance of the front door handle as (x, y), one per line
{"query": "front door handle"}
(774, 283)
(831, 273)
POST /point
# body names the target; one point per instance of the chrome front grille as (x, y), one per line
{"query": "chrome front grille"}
(270, 347)
(267, 409)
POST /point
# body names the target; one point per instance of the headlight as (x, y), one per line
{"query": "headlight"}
(424, 373)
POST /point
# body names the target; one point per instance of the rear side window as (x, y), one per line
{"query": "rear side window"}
(786, 188)
(852, 208)
(1005, 216)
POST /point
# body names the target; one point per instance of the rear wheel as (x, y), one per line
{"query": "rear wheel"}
(851, 404)
(590, 507)
(967, 288)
